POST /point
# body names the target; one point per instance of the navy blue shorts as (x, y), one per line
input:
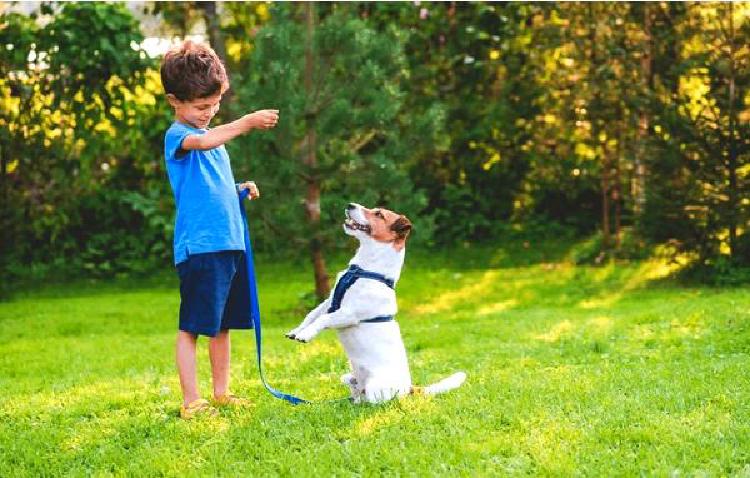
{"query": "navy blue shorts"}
(214, 293)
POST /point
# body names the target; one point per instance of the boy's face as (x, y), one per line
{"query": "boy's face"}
(198, 112)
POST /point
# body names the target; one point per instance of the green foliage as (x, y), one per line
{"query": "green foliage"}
(82, 129)
(17, 34)
(468, 83)
(354, 116)
(86, 38)
(475, 119)
(721, 272)
(631, 247)
(699, 179)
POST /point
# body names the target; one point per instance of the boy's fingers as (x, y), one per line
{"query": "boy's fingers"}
(252, 188)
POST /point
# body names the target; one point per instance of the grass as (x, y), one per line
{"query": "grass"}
(608, 371)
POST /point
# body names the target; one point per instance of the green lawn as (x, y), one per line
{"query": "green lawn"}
(571, 371)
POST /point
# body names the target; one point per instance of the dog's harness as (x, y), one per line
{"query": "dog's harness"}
(352, 275)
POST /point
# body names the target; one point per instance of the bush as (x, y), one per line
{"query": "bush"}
(591, 250)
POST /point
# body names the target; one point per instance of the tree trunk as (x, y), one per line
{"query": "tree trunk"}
(732, 162)
(312, 198)
(616, 187)
(605, 203)
(3, 173)
(595, 130)
(5, 223)
(639, 183)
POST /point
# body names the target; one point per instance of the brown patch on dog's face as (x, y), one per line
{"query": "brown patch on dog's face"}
(388, 226)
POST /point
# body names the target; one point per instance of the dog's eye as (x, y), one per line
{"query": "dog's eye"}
(379, 214)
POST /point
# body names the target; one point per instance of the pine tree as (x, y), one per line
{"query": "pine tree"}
(336, 82)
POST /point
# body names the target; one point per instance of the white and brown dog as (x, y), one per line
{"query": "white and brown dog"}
(362, 307)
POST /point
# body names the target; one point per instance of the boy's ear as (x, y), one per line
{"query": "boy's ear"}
(172, 99)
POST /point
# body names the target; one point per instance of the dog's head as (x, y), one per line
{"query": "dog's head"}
(378, 224)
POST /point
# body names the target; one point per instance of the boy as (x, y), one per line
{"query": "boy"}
(208, 234)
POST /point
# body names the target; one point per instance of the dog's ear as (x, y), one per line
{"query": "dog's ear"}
(402, 227)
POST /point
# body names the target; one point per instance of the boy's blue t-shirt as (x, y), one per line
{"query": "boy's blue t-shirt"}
(208, 212)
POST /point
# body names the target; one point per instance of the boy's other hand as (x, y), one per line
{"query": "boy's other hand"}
(254, 191)
(263, 119)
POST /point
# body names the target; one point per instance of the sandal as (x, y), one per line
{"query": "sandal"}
(231, 400)
(199, 407)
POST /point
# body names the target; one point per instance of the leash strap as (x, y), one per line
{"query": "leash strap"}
(255, 306)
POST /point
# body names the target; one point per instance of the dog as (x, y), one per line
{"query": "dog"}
(362, 307)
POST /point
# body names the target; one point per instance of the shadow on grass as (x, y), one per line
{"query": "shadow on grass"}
(492, 291)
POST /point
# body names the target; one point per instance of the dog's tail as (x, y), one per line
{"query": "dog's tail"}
(445, 385)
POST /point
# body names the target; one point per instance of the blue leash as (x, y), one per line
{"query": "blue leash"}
(255, 308)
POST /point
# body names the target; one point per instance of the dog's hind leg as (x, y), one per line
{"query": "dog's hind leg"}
(350, 381)
(377, 392)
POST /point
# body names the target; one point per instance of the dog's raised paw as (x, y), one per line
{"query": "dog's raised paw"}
(304, 336)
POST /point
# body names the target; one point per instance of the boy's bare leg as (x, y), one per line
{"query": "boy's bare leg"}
(186, 367)
(219, 350)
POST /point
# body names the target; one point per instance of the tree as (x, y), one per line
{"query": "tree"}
(702, 171)
(337, 84)
(71, 121)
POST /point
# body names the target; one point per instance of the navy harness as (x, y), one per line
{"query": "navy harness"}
(352, 274)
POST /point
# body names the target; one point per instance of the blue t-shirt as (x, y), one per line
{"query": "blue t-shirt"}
(208, 212)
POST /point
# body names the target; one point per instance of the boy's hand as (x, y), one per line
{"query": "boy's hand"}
(254, 191)
(263, 119)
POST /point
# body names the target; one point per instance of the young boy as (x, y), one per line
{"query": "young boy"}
(208, 234)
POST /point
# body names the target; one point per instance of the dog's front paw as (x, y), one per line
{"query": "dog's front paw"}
(305, 335)
(292, 334)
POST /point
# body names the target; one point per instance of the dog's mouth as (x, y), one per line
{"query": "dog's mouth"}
(353, 225)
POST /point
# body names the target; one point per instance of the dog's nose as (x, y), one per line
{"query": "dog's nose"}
(351, 206)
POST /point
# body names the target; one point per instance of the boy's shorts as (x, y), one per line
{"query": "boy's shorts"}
(214, 293)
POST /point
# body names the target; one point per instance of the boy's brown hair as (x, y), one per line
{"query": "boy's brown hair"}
(192, 70)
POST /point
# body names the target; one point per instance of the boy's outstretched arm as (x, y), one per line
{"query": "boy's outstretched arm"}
(261, 119)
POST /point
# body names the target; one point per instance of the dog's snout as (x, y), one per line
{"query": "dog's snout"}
(351, 206)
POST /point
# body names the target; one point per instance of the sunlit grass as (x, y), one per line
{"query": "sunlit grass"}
(600, 371)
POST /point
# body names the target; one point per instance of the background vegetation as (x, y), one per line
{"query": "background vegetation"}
(623, 120)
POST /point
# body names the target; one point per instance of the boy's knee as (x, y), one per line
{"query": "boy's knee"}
(183, 334)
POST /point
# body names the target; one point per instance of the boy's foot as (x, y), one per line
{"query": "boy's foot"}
(199, 407)
(231, 400)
